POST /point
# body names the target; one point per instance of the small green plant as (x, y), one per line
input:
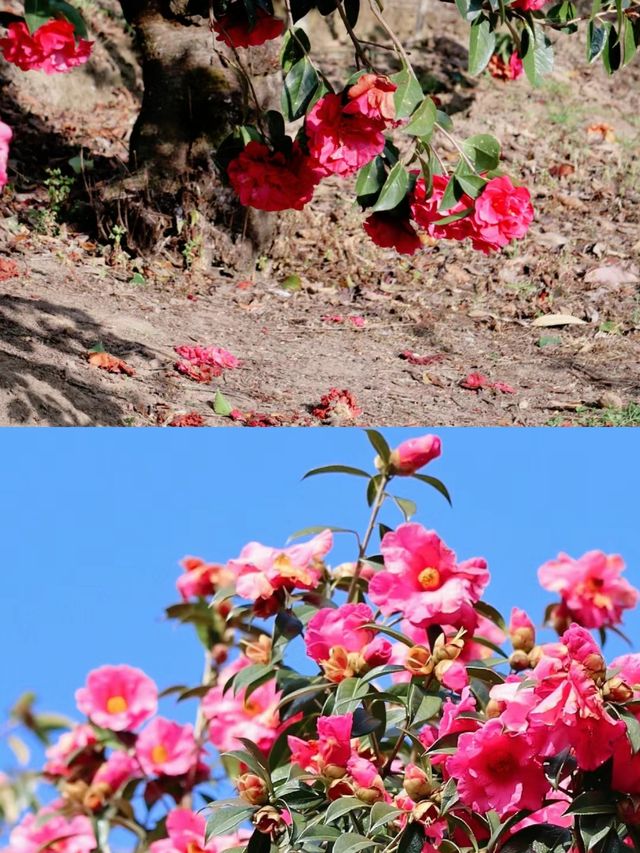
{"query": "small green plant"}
(191, 251)
(610, 416)
(59, 188)
(115, 235)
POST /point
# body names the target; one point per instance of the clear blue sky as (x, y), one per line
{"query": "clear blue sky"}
(94, 522)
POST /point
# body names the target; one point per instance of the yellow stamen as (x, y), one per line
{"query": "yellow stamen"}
(159, 754)
(116, 704)
(429, 578)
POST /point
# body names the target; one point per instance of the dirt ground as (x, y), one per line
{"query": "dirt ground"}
(63, 294)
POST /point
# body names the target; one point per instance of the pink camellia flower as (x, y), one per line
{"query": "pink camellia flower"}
(70, 745)
(272, 180)
(201, 579)
(119, 698)
(392, 232)
(626, 768)
(372, 95)
(502, 213)
(5, 138)
(590, 587)
(116, 770)
(368, 784)
(453, 675)
(422, 580)
(629, 670)
(236, 30)
(413, 454)
(234, 716)
(47, 830)
(425, 210)
(52, 48)
(338, 633)
(497, 770)
(186, 830)
(334, 739)
(342, 142)
(262, 570)
(166, 748)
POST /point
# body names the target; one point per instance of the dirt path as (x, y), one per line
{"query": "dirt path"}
(461, 312)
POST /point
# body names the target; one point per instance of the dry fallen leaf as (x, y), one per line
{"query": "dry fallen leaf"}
(561, 170)
(8, 269)
(108, 362)
(601, 132)
(611, 274)
(558, 320)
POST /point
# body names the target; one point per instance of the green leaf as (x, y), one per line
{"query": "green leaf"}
(630, 38)
(483, 150)
(340, 807)
(408, 94)
(319, 528)
(337, 469)
(321, 832)
(382, 814)
(413, 839)
(300, 86)
(482, 44)
(596, 39)
(592, 802)
(221, 406)
(423, 120)
(633, 727)
(295, 46)
(394, 189)
(491, 614)
(224, 820)
(349, 695)
(537, 56)
(438, 485)
(373, 488)
(390, 632)
(370, 181)
(407, 507)
(352, 841)
(379, 444)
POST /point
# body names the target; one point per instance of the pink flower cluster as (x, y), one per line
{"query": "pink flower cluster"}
(52, 48)
(591, 589)
(50, 830)
(186, 829)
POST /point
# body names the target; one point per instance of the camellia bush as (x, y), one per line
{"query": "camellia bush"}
(377, 123)
(380, 704)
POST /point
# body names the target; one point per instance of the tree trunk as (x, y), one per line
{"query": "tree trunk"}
(192, 98)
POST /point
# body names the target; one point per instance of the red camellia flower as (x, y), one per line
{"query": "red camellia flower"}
(52, 48)
(424, 210)
(502, 213)
(391, 232)
(372, 95)
(235, 28)
(502, 70)
(342, 141)
(528, 5)
(273, 180)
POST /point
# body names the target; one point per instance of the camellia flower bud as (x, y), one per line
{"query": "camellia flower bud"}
(519, 661)
(494, 708)
(259, 651)
(341, 664)
(411, 455)
(268, 820)
(522, 631)
(253, 789)
(426, 812)
(334, 771)
(616, 689)
(596, 667)
(444, 649)
(416, 782)
(419, 661)
(96, 797)
(369, 795)
(340, 788)
(219, 653)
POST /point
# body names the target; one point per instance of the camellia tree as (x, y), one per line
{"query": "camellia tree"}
(380, 704)
(241, 83)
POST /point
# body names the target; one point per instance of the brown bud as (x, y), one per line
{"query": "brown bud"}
(416, 784)
(268, 820)
(97, 796)
(617, 690)
(426, 812)
(519, 661)
(535, 656)
(445, 649)
(369, 795)
(494, 708)
(595, 665)
(559, 619)
(523, 639)
(340, 664)
(334, 771)
(419, 661)
(74, 792)
(259, 651)
(253, 789)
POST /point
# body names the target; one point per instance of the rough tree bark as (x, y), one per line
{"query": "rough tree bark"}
(192, 98)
